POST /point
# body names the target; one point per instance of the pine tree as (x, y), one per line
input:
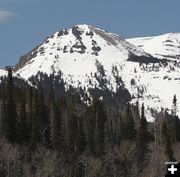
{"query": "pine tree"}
(55, 123)
(174, 107)
(101, 119)
(52, 114)
(43, 119)
(3, 125)
(71, 129)
(80, 138)
(23, 131)
(11, 115)
(167, 141)
(91, 124)
(129, 126)
(142, 136)
(35, 132)
(57, 128)
(175, 121)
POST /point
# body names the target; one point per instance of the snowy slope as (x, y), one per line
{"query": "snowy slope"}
(2, 72)
(163, 46)
(86, 56)
(18, 79)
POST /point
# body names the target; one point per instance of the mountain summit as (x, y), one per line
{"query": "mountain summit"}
(82, 43)
(93, 61)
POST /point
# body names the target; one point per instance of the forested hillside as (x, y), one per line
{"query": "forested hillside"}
(42, 135)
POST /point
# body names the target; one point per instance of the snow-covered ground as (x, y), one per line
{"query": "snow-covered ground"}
(163, 46)
(2, 72)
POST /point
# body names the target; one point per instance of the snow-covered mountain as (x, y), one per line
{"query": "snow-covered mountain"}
(88, 58)
(81, 47)
(163, 46)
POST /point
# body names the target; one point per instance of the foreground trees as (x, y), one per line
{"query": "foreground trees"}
(45, 136)
(10, 116)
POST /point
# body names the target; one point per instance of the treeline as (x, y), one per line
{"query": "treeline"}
(78, 140)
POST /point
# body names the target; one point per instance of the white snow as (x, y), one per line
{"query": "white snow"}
(2, 72)
(163, 46)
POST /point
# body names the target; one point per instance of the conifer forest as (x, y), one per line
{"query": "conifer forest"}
(42, 135)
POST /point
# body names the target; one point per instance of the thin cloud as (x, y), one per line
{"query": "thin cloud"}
(5, 15)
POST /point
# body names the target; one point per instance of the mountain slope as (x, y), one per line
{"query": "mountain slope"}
(163, 46)
(93, 61)
(18, 80)
(3, 73)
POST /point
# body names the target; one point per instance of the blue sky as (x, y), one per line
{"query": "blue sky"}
(25, 23)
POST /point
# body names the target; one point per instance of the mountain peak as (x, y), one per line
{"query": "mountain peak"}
(83, 26)
(80, 41)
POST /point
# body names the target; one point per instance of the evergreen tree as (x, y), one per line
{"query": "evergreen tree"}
(52, 114)
(167, 141)
(101, 119)
(35, 133)
(91, 124)
(142, 136)
(175, 121)
(80, 138)
(55, 122)
(129, 126)
(71, 129)
(11, 115)
(3, 125)
(174, 107)
(23, 131)
(43, 119)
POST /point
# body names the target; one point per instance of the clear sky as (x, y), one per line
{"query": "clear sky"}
(25, 23)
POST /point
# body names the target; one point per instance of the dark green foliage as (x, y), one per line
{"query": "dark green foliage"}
(96, 119)
(167, 141)
(10, 115)
(174, 107)
(71, 130)
(3, 116)
(23, 131)
(142, 136)
(101, 118)
(177, 123)
(130, 131)
(57, 124)
(43, 119)
(80, 138)
(90, 124)
(35, 133)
